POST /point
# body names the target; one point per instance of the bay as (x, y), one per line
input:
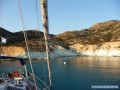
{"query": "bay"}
(75, 73)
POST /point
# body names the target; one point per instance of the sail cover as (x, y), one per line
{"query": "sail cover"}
(22, 61)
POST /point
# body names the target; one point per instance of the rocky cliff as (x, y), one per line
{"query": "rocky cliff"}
(102, 39)
(104, 49)
(12, 51)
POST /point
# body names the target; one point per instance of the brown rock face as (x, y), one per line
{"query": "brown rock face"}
(12, 50)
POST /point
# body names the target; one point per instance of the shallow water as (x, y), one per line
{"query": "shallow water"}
(79, 73)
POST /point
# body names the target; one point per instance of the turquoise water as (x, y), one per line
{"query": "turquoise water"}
(79, 73)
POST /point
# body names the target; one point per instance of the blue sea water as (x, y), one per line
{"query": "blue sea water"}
(79, 73)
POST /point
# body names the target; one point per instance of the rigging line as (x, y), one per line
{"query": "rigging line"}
(40, 38)
(1, 28)
(46, 75)
(38, 22)
(42, 82)
(37, 14)
(44, 71)
(26, 40)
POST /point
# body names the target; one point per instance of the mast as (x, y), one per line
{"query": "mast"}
(44, 10)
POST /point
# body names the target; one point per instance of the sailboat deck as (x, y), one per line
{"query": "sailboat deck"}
(8, 86)
(31, 86)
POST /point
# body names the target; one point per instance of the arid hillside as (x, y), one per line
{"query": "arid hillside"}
(108, 31)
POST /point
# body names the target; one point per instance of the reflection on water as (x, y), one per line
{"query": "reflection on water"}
(79, 73)
(9, 66)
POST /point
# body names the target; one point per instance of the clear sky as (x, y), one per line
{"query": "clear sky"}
(64, 15)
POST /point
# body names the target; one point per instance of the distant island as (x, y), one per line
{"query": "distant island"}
(102, 39)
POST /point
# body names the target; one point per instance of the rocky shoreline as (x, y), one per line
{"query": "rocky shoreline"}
(104, 49)
(101, 39)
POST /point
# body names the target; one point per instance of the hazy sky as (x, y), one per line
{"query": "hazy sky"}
(64, 15)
